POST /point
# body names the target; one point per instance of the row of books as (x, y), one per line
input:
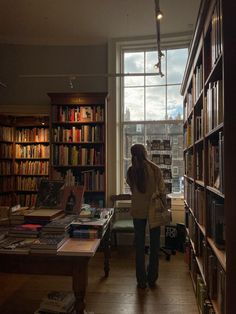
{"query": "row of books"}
(74, 155)
(199, 125)
(189, 165)
(199, 155)
(214, 105)
(26, 199)
(6, 167)
(32, 135)
(188, 133)
(32, 167)
(6, 150)
(6, 133)
(188, 105)
(84, 133)
(6, 184)
(78, 113)
(27, 183)
(32, 151)
(216, 36)
(197, 82)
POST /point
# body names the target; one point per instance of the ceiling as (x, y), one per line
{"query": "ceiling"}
(90, 22)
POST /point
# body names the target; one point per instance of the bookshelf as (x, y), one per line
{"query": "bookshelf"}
(78, 142)
(6, 160)
(209, 154)
(32, 153)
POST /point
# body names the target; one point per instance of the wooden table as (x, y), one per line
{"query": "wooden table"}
(71, 260)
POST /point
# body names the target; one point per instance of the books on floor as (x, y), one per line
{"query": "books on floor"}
(57, 302)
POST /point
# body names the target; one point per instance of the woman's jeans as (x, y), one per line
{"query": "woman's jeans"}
(150, 274)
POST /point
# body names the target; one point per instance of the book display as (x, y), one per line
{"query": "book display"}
(208, 154)
(78, 142)
(32, 152)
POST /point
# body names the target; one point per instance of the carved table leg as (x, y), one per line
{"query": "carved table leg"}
(79, 283)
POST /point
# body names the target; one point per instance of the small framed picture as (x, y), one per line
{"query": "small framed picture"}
(72, 197)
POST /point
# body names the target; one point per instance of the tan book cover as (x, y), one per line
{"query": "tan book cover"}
(75, 247)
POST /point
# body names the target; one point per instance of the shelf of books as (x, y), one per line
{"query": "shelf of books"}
(78, 138)
(32, 152)
(208, 154)
(6, 160)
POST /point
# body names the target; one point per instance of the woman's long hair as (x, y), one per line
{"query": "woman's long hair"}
(138, 171)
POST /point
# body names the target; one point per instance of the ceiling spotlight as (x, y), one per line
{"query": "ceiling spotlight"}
(159, 15)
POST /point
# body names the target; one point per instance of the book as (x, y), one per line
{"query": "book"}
(58, 302)
(72, 199)
(44, 214)
(49, 241)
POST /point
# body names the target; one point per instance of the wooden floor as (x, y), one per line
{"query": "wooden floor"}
(118, 294)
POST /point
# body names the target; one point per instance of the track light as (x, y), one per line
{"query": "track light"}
(159, 15)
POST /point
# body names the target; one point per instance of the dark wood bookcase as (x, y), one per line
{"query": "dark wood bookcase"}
(31, 158)
(24, 157)
(7, 185)
(209, 155)
(78, 142)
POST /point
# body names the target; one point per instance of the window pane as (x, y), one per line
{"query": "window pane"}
(133, 104)
(155, 103)
(134, 62)
(151, 60)
(174, 103)
(176, 61)
(134, 81)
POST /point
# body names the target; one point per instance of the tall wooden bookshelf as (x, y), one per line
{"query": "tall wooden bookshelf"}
(209, 154)
(78, 142)
(6, 160)
(24, 157)
(32, 153)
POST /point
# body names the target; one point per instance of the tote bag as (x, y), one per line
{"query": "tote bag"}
(158, 213)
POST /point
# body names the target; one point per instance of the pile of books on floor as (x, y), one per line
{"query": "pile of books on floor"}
(57, 302)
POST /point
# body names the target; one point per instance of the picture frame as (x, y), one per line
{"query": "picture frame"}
(72, 198)
(49, 193)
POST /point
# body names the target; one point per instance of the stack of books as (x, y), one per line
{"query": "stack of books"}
(91, 227)
(48, 243)
(43, 216)
(57, 302)
(58, 225)
(17, 214)
(25, 230)
(16, 245)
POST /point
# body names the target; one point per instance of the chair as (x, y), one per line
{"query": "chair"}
(122, 221)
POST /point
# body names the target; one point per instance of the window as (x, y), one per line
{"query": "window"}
(151, 106)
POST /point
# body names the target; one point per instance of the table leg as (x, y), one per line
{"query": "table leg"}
(107, 251)
(79, 283)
